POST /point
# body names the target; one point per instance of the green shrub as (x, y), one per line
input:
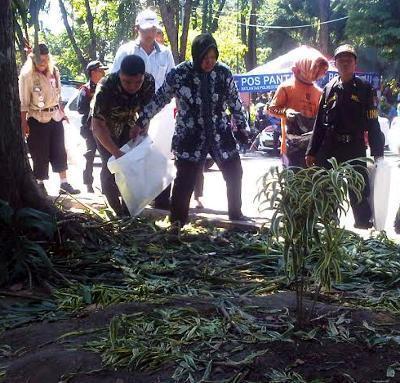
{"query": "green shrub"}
(307, 205)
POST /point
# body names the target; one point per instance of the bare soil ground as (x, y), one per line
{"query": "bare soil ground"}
(43, 353)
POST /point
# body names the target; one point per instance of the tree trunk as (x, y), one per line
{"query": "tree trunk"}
(324, 12)
(89, 22)
(214, 25)
(20, 40)
(251, 54)
(170, 16)
(71, 36)
(187, 11)
(243, 30)
(17, 186)
(34, 9)
(204, 19)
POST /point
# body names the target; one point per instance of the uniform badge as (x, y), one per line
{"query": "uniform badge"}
(41, 102)
(331, 99)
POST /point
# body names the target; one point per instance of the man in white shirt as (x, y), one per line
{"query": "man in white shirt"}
(158, 61)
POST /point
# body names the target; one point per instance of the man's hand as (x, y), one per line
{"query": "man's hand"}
(310, 161)
(134, 132)
(290, 113)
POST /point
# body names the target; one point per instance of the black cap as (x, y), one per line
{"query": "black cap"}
(96, 64)
(132, 65)
(41, 49)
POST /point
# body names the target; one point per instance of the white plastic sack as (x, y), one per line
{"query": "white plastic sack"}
(384, 125)
(74, 145)
(394, 135)
(379, 178)
(162, 127)
(141, 174)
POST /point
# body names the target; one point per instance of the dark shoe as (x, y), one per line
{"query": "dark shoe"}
(238, 217)
(363, 225)
(66, 188)
(89, 188)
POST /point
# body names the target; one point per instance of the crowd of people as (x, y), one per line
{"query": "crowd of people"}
(309, 124)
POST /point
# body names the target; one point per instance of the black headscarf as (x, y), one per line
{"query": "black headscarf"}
(200, 46)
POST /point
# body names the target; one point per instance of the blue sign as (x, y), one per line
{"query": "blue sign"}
(262, 83)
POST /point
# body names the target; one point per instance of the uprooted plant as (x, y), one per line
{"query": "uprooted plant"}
(307, 207)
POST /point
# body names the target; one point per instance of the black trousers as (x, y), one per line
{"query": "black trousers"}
(108, 186)
(199, 185)
(162, 201)
(46, 145)
(187, 173)
(347, 151)
(91, 147)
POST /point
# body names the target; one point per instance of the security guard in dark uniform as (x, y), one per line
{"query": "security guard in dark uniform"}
(95, 70)
(347, 109)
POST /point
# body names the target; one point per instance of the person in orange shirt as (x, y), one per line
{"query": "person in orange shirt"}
(296, 104)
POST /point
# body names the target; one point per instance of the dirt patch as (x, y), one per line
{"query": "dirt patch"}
(51, 352)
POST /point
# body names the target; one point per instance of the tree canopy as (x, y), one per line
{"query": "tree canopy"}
(248, 31)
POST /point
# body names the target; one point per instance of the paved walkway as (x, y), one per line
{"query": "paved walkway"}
(254, 166)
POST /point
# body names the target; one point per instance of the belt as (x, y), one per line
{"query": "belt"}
(51, 109)
(344, 138)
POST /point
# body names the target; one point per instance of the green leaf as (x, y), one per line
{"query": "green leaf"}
(390, 372)
(29, 219)
(6, 213)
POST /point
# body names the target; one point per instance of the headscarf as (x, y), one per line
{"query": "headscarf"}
(200, 46)
(311, 66)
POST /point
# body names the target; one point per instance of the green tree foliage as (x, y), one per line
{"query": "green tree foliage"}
(112, 25)
(372, 25)
(231, 50)
(25, 16)
(112, 20)
(292, 13)
(376, 24)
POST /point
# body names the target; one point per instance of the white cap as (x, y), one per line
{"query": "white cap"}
(147, 19)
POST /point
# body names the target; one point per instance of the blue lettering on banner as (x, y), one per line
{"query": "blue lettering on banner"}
(270, 82)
